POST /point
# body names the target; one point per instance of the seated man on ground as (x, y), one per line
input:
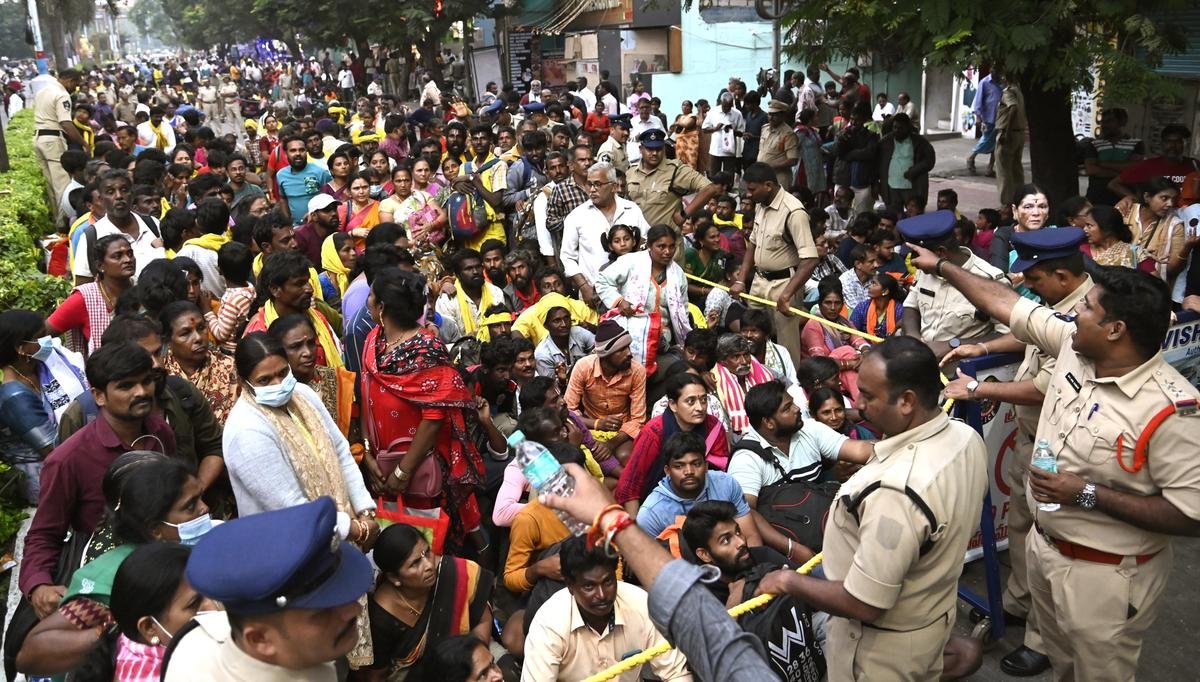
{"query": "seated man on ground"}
(593, 624)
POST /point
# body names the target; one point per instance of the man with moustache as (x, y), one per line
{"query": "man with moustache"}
(119, 219)
(736, 372)
(123, 385)
(593, 624)
(300, 181)
(292, 605)
(686, 482)
(520, 292)
(462, 311)
(609, 389)
(896, 533)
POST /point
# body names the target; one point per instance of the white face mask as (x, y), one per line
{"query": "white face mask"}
(161, 628)
(276, 395)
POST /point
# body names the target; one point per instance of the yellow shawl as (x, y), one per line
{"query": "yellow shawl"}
(314, 279)
(464, 307)
(333, 353)
(332, 262)
(160, 139)
(212, 242)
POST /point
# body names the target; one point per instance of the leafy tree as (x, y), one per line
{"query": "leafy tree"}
(12, 31)
(1047, 46)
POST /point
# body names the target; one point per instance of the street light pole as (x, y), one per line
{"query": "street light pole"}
(35, 27)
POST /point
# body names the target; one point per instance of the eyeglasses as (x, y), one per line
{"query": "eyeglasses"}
(598, 185)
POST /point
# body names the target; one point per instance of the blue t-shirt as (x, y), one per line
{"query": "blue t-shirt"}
(663, 504)
(300, 186)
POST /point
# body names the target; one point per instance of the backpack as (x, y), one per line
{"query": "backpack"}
(785, 628)
(89, 235)
(467, 215)
(796, 508)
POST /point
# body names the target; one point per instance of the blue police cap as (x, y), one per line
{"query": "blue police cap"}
(494, 107)
(653, 138)
(927, 228)
(287, 559)
(1045, 244)
(534, 107)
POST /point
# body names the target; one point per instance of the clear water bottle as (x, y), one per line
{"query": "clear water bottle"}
(545, 475)
(1045, 459)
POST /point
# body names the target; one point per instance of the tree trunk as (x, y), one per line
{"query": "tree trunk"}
(1051, 141)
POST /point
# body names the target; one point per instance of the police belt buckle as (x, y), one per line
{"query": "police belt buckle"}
(774, 275)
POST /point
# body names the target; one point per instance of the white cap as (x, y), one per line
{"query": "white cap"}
(321, 202)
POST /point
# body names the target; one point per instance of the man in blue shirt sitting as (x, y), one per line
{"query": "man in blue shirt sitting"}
(688, 482)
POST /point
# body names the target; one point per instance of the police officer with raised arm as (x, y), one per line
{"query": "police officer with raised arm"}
(1121, 422)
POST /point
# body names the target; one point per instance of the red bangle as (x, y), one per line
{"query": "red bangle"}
(623, 522)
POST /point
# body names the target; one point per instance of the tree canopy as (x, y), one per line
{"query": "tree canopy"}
(1049, 46)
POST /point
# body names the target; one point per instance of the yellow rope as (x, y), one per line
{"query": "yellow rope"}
(946, 407)
(646, 656)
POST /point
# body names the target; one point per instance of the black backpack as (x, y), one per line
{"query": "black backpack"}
(796, 508)
(784, 626)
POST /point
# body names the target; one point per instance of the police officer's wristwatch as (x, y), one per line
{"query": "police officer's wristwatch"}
(1086, 498)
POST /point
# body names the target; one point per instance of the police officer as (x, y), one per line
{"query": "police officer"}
(779, 147)
(1121, 422)
(657, 185)
(780, 252)
(898, 529)
(51, 121)
(612, 151)
(934, 311)
(1053, 268)
(291, 588)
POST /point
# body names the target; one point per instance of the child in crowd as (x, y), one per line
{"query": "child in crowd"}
(985, 228)
(233, 261)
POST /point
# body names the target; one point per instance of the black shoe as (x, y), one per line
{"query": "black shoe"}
(1024, 662)
(1012, 620)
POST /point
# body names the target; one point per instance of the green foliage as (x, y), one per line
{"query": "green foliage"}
(24, 219)
(1055, 42)
(12, 504)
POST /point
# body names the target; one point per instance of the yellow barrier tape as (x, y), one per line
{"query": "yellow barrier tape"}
(646, 656)
(946, 407)
(802, 313)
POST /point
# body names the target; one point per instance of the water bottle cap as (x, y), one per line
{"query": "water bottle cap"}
(516, 439)
(1043, 443)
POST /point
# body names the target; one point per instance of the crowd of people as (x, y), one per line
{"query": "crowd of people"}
(305, 327)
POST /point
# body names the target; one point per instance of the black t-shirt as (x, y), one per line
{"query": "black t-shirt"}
(761, 555)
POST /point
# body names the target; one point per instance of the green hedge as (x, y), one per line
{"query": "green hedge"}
(24, 220)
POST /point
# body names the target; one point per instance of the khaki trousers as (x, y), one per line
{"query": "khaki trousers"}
(1010, 174)
(1017, 599)
(787, 329)
(860, 653)
(49, 150)
(1093, 616)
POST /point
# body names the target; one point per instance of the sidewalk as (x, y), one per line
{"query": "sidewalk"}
(950, 172)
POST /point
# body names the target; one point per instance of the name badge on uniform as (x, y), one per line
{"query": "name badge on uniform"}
(1074, 382)
(926, 292)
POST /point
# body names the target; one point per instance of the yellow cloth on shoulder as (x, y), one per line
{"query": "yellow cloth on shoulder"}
(333, 354)
(314, 278)
(531, 323)
(332, 262)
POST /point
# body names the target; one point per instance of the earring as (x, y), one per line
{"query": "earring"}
(154, 640)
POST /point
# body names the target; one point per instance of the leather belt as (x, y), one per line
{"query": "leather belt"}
(1074, 551)
(44, 132)
(774, 275)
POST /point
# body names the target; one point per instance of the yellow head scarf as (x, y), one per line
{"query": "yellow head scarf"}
(331, 261)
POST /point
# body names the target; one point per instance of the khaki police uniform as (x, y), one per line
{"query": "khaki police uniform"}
(1093, 610)
(613, 153)
(1037, 367)
(947, 314)
(52, 107)
(782, 237)
(208, 652)
(659, 192)
(779, 144)
(889, 555)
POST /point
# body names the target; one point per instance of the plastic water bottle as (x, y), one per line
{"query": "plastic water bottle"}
(1045, 459)
(546, 475)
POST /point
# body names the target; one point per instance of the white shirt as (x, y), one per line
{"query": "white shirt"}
(582, 252)
(809, 447)
(633, 148)
(588, 97)
(146, 247)
(882, 111)
(431, 91)
(345, 78)
(540, 203)
(147, 138)
(611, 104)
(724, 142)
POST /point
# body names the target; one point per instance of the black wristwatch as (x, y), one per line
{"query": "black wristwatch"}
(1086, 498)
